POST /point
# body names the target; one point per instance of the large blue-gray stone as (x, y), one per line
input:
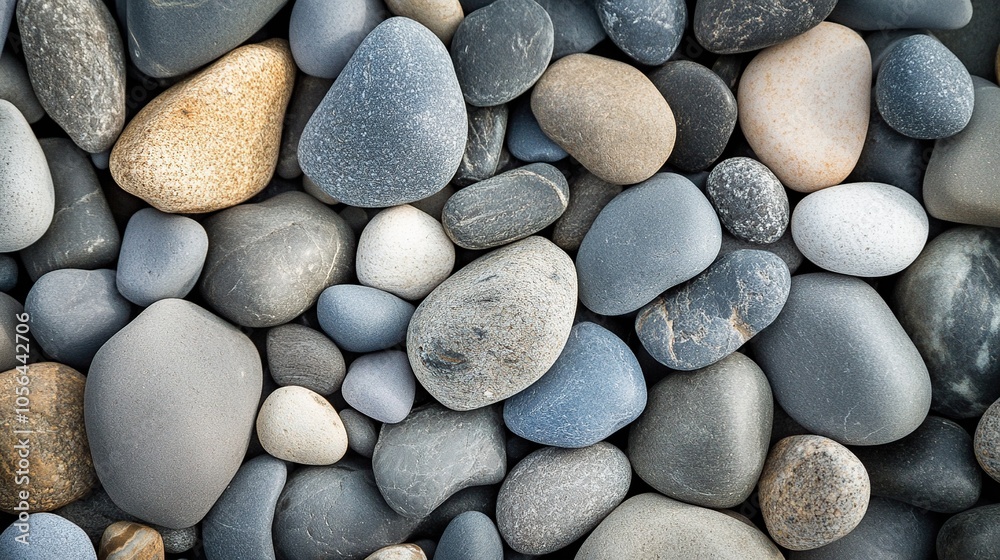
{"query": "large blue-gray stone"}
(239, 524)
(161, 256)
(649, 31)
(25, 183)
(323, 34)
(470, 535)
(363, 319)
(46, 536)
(876, 15)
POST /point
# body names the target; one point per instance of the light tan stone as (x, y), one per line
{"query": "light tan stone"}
(398, 552)
(295, 424)
(440, 16)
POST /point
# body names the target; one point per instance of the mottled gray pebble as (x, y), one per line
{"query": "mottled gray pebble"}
(298, 355)
(751, 202)
(48, 536)
(987, 441)
(487, 130)
(726, 28)
(381, 386)
(588, 195)
(178, 541)
(363, 319)
(649, 31)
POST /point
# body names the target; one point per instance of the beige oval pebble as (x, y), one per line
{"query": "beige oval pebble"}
(125, 540)
(398, 552)
(297, 425)
(210, 141)
(804, 106)
(607, 115)
(440, 16)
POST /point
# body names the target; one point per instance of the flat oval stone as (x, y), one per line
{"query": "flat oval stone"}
(554, 496)
(299, 355)
(654, 524)
(525, 138)
(15, 86)
(749, 199)
(648, 239)
(362, 432)
(324, 35)
(813, 491)
(588, 195)
(363, 319)
(239, 524)
(76, 62)
(726, 28)
(435, 452)
(381, 386)
(440, 16)
(710, 317)
(704, 436)
(804, 106)
(298, 425)
(575, 24)
(210, 141)
(308, 93)
(607, 115)
(393, 127)
(276, 235)
(124, 540)
(873, 15)
(48, 536)
(862, 381)
(25, 183)
(162, 256)
(470, 535)
(861, 229)
(648, 31)
(495, 326)
(987, 441)
(971, 535)
(200, 378)
(483, 149)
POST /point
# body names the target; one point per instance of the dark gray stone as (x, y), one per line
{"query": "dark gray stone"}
(933, 468)
(501, 50)
(525, 138)
(588, 195)
(750, 200)
(474, 498)
(881, 44)
(239, 524)
(986, 443)
(363, 319)
(435, 452)
(784, 247)
(506, 207)
(862, 382)
(649, 31)
(381, 386)
(470, 535)
(704, 437)
(83, 233)
(889, 157)
(362, 432)
(575, 26)
(8, 273)
(651, 237)
(280, 236)
(487, 130)
(873, 15)
(15, 86)
(25, 183)
(393, 128)
(298, 355)
(923, 90)
(94, 513)
(723, 27)
(200, 379)
(10, 308)
(704, 110)
(975, 44)
(162, 256)
(555, 496)
(47, 536)
(324, 35)
(971, 535)
(306, 97)
(178, 541)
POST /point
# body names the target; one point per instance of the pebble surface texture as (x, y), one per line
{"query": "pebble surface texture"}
(471, 534)
(125, 540)
(323, 35)
(804, 106)
(987, 441)
(588, 195)
(813, 491)
(649, 31)
(299, 355)
(25, 183)
(971, 535)
(212, 140)
(299, 426)
(51, 537)
(484, 147)
(393, 127)
(726, 28)
(752, 204)
(239, 524)
(607, 115)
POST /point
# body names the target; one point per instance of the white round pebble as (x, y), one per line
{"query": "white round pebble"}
(298, 425)
(405, 252)
(861, 229)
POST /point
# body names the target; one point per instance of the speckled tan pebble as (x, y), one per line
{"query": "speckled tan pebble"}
(295, 424)
(804, 106)
(440, 16)
(987, 441)
(130, 541)
(210, 141)
(398, 552)
(813, 491)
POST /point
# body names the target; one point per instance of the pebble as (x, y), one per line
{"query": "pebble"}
(168, 39)
(704, 436)
(891, 158)
(15, 86)
(470, 535)
(83, 233)
(648, 239)
(124, 540)
(440, 16)
(435, 452)
(861, 229)
(277, 234)
(200, 378)
(652, 524)
(947, 303)
(813, 491)
(381, 386)
(73, 312)
(648, 31)
(487, 130)
(299, 355)
(607, 115)
(212, 140)
(8, 273)
(725, 28)
(525, 138)
(399, 551)
(94, 513)
(297, 425)
(501, 50)
(362, 432)
(594, 389)
(862, 381)
(934, 468)
(363, 319)
(822, 78)
(162, 256)
(309, 91)
(6, 16)
(555, 496)
(495, 326)
(872, 15)
(10, 308)
(588, 195)
(48, 536)
(971, 535)
(25, 183)
(474, 498)
(239, 524)
(987, 441)
(178, 541)
(976, 43)
(575, 24)
(749, 199)
(76, 62)
(325, 35)
(507, 207)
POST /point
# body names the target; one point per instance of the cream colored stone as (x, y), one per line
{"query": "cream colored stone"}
(440, 16)
(804, 106)
(298, 425)
(398, 552)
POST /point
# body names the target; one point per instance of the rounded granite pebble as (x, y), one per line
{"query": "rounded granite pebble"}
(124, 540)
(239, 524)
(15, 86)
(648, 31)
(381, 386)
(298, 425)
(987, 441)
(48, 536)
(25, 183)
(324, 35)
(971, 535)
(525, 138)
(813, 491)
(588, 195)
(162, 256)
(751, 202)
(440, 16)
(726, 28)
(484, 147)
(470, 535)
(299, 355)
(363, 319)
(362, 432)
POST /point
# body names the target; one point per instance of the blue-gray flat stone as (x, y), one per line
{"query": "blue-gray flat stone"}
(6, 16)
(15, 86)
(749, 199)
(649, 31)
(323, 34)
(525, 138)
(724, 27)
(239, 524)
(470, 535)
(363, 319)
(46, 536)
(575, 25)
(487, 130)
(162, 256)
(299, 355)
(381, 386)
(875, 15)
(25, 183)
(784, 247)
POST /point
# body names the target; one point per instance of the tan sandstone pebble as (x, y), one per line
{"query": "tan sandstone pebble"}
(607, 115)
(59, 466)
(440, 16)
(398, 552)
(804, 106)
(813, 491)
(210, 141)
(987, 441)
(295, 424)
(130, 541)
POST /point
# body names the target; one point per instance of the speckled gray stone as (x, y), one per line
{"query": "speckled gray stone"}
(470, 535)
(362, 432)
(862, 382)
(575, 26)
(750, 200)
(15, 86)
(393, 127)
(278, 235)
(178, 541)
(323, 35)
(47, 536)
(495, 326)
(76, 62)
(487, 130)
(987, 441)
(239, 524)
(923, 90)
(307, 95)
(525, 138)
(435, 452)
(8, 273)
(10, 308)
(649, 31)
(555, 496)
(363, 319)
(162, 256)
(298, 355)
(381, 386)
(83, 233)
(971, 535)
(25, 183)
(94, 513)
(506, 207)
(726, 28)
(501, 50)
(200, 378)
(872, 15)
(588, 195)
